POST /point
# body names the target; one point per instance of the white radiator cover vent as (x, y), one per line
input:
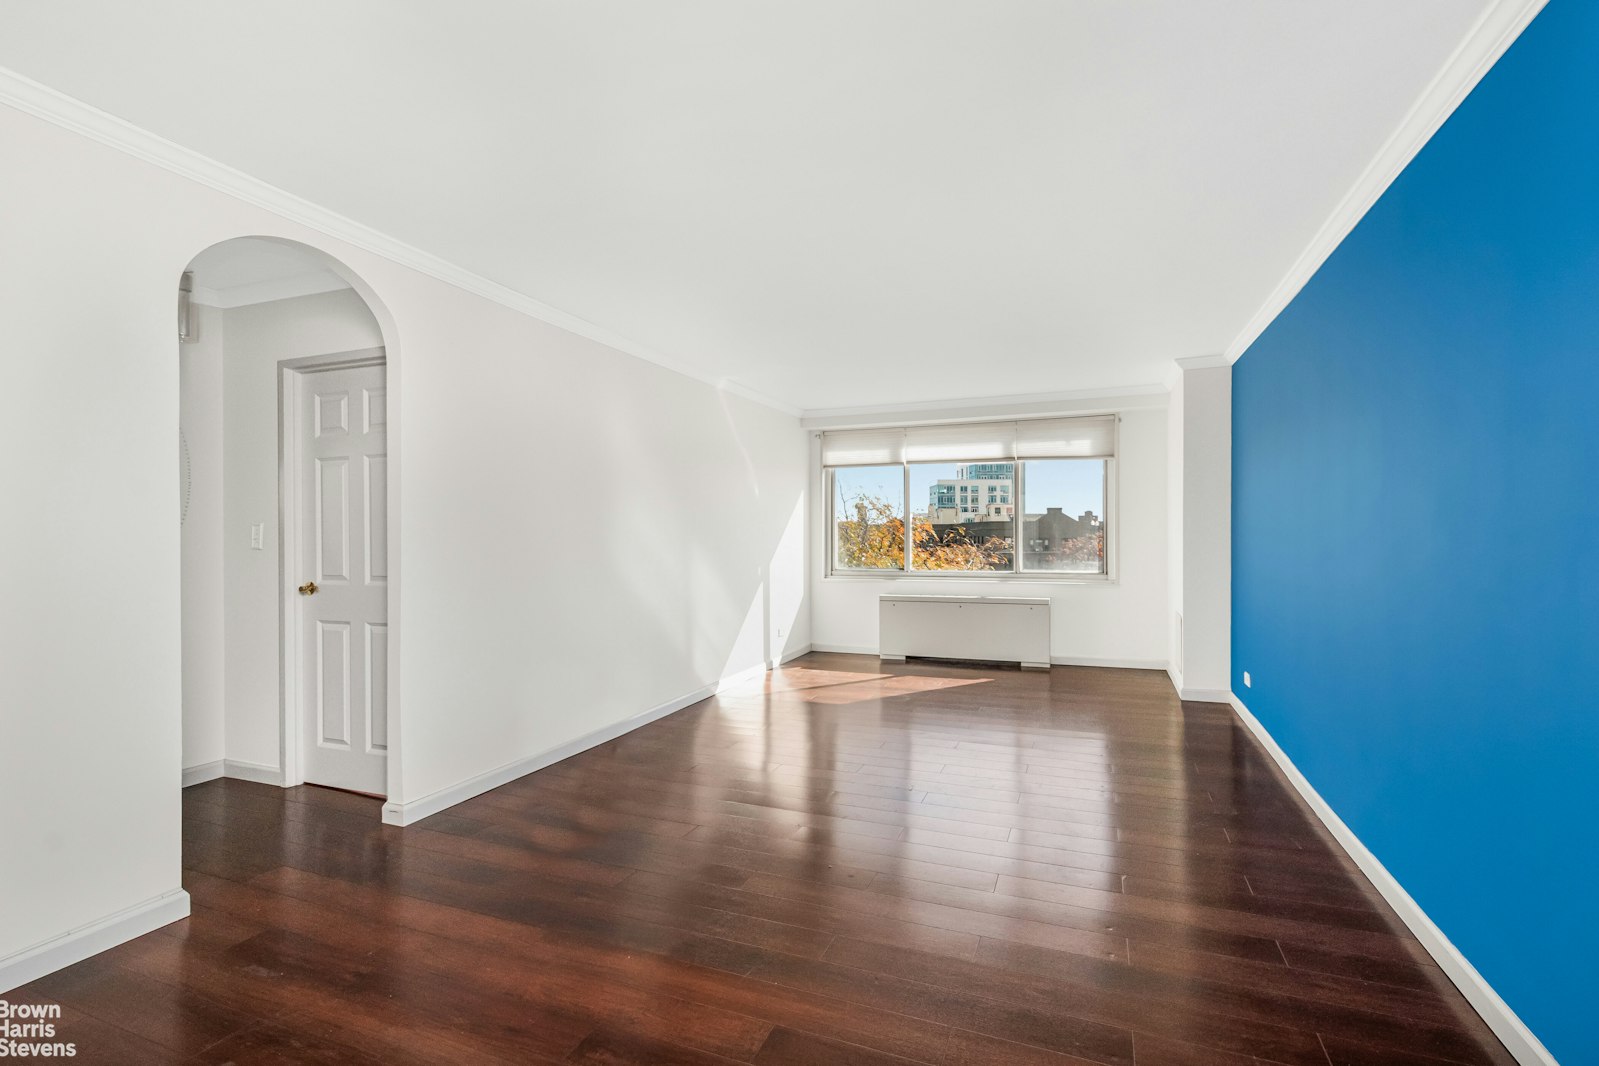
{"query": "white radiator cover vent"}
(1012, 629)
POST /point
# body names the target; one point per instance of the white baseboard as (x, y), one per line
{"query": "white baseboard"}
(747, 674)
(1054, 660)
(418, 809)
(1195, 695)
(752, 672)
(250, 771)
(1510, 1029)
(1204, 695)
(1114, 664)
(202, 772)
(790, 656)
(415, 810)
(78, 944)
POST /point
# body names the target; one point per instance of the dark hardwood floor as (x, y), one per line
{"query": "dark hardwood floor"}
(844, 864)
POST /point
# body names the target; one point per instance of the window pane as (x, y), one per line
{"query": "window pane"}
(962, 517)
(1064, 527)
(869, 517)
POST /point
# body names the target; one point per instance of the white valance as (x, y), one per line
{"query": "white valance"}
(1032, 438)
(863, 447)
(1066, 438)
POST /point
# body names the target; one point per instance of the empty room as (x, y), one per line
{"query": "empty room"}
(895, 533)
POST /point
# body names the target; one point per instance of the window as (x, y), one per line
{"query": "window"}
(971, 540)
(868, 518)
(1000, 498)
(1064, 508)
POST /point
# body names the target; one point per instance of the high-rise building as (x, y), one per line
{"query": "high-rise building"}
(979, 492)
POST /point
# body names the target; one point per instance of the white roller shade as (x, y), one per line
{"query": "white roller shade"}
(1066, 438)
(863, 447)
(963, 442)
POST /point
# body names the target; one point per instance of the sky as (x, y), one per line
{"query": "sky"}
(1073, 485)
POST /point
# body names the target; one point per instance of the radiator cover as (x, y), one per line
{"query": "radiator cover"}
(1012, 629)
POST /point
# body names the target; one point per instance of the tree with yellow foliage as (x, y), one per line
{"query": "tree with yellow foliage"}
(874, 539)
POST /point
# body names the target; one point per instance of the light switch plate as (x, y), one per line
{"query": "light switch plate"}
(258, 535)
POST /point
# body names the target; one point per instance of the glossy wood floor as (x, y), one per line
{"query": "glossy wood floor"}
(841, 865)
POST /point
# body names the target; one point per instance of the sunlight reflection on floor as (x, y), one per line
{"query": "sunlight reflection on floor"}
(843, 686)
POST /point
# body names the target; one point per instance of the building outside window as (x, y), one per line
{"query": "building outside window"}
(916, 511)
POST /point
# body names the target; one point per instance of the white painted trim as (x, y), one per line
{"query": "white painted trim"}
(431, 804)
(252, 771)
(747, 674)
(752, 672)
(75, 945)
(263, 292)
(1493, 33)
(844, 649)
(1204, 695)
(788, 657)
(43, 102)
(292, 375)
(1202, 362)
(414, 811)
(1510, 1029)
(1054, 660)
(1192, 362)
(202, 772)
(1039, 405)
(1112, 664)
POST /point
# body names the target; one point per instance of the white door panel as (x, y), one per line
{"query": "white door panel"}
(343, 623)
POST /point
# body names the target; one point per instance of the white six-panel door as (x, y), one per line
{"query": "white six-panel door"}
(343, 552)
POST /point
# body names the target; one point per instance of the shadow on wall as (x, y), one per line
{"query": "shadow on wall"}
(635, 537)
(708, 527)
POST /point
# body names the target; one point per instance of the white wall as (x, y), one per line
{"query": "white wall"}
(513, 635)
(1200, 429)
(656, 589)
(258, 337)
(200, 374)
(1116, 623)
(1174, 530)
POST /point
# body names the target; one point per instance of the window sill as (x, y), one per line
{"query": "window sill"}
(963, 577)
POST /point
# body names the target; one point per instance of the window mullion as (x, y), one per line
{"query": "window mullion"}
(905, 469)
(1018, 516)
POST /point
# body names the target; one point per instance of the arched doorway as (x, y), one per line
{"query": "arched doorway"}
(287, 377)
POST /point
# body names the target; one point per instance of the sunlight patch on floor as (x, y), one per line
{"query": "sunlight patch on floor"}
(843, 687)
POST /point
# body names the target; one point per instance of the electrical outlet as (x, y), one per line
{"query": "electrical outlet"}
(1246, 678)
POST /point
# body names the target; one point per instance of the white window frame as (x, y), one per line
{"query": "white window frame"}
(1110, 517)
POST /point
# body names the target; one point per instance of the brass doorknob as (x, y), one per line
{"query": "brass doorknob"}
(308, 589)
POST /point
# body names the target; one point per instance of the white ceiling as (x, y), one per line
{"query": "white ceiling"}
(249, 270)
(830, 202)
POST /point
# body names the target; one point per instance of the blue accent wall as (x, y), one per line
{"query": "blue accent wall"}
(1416, 529)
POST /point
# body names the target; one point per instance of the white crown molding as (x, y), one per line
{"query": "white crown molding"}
(1202, 362)
(41, 101)
(1493, 33)
(262, 292)
(1507, 1026)
(1178, 367)
(1084, 401)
